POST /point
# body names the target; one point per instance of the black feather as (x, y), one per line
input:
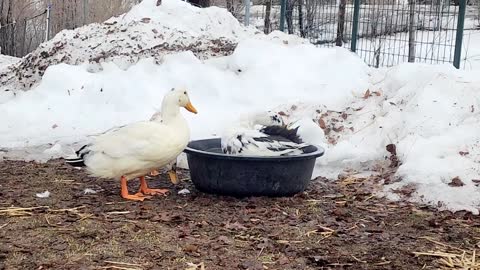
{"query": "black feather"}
(75, 162)
(79, 160)
(280, 133)
(80, 150)
(263, 139)
(304, 149)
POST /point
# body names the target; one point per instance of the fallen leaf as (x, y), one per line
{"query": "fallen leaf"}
(322, 124)
(406, 190)
(235, 226)
(456, 182)
(392, 149)
(224, 239)
(161, 217)
(145, 20)
(190, 248)
(54, 126)
(283, 260)
(463, 153)
(367, 94)
(192, 266)
(293, 108)
(251, 265)
(472, 109)
(339, 129)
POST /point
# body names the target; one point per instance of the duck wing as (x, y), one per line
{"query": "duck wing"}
(142, 140)
(268, 141)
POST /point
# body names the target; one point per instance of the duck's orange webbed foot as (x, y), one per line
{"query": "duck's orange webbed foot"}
(149, 191)
(125, 195)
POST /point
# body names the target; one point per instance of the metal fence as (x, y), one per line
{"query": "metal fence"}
(382, 32)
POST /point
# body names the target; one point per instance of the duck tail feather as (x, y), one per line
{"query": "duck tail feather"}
(75, 162)
(79, 159)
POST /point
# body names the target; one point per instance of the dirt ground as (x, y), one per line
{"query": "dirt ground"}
(332, 225)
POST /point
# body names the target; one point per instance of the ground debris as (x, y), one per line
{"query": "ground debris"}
(456, 182)
(332, 225)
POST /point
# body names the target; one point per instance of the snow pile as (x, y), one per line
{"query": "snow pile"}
(145, 31)
(432, 116)
(6, 60)
(71, 102)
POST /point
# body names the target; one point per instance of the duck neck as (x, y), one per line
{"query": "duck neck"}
(170, 111)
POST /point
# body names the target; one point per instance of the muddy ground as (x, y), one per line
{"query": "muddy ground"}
(332, 225)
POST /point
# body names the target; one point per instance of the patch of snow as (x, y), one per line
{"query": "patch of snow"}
(6, 61)
(55, 150)
(184, 191)
(43, 195)
(88, 191)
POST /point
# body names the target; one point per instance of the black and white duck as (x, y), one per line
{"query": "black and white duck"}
(262, 134)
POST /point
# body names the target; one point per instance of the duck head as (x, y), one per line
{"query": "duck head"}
(181, 95)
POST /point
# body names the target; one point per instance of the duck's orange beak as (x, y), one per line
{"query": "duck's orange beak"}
(190, 108)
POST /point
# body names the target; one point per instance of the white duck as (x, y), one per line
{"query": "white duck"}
(136, 149)
(262, 134)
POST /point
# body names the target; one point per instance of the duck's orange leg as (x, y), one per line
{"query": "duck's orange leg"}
(127, 196)
(149, 191)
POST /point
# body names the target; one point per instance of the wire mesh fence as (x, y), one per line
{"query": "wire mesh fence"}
(383, 32)
(408, 32)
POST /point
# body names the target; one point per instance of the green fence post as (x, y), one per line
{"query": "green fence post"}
(283, 9)
(356, 11)
(462, 6)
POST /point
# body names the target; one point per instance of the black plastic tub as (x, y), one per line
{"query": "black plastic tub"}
(213, 172)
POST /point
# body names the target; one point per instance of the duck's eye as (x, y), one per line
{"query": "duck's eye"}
(185, 92)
